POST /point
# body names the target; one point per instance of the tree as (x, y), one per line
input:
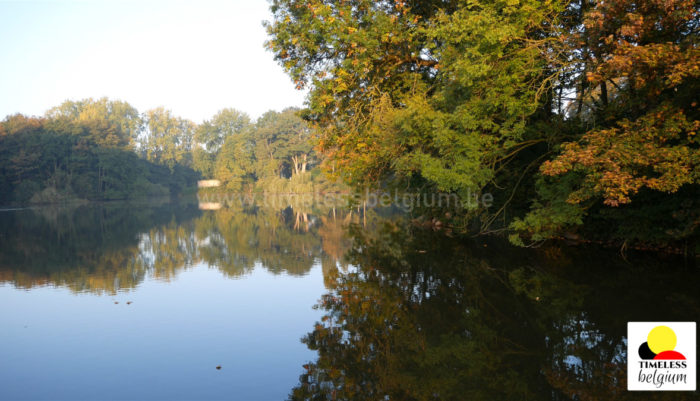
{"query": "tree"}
(235, 161)
(283, 143)
(638, 141)
(168, 138)
(560, 109)
(433, 91)
(109, 123)
(212, 134)
(203, 161)
(82, 150)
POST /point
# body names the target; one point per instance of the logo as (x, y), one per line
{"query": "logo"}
(661, 356)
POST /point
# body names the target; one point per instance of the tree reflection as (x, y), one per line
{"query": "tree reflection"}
(108, 248)
(84, 248)
(422, 316)
(410, 313)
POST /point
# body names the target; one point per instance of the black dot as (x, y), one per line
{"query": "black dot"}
(645, 352)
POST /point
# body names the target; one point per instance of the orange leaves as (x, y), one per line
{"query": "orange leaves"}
(634, 26)
(644, 41)
(650, 152)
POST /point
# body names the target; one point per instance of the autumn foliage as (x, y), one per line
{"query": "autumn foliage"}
(564, 111)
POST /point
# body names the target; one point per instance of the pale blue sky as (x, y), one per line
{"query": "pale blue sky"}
(193, 57)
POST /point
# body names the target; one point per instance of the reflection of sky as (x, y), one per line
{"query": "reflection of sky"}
(572, 361)
(58, 345)
(582, 333)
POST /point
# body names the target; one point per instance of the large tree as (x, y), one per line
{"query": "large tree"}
(168, 138)
(636, 87)
(283, 143)
(211, 135)
(565, 109)
(435, 91)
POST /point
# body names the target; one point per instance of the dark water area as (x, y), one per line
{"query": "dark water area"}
(305, 301)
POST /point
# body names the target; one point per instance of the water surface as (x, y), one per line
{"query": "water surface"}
(124, 301)
(144, 302)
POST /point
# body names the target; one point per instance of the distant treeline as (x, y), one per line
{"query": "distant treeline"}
(103, 149)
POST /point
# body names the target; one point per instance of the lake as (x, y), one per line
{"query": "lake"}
(271, 300)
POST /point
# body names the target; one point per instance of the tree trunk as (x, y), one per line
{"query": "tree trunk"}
(582, 90)
(295, 163)
(604, 94)
(99, 179)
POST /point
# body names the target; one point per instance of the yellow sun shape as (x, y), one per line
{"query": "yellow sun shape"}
(660, 339)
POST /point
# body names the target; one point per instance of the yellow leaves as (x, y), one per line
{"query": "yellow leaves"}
(352, 30)
(325, 100)
(341, 74)
(341, 87)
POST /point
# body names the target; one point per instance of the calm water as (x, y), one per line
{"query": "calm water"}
(122, 301)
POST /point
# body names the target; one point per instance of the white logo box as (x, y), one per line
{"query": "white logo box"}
(659, 375)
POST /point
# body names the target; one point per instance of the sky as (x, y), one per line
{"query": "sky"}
(193, 57)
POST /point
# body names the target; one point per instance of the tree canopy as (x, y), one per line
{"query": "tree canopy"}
(569, 112)
(106, 149)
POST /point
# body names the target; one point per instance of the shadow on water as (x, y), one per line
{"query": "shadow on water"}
(422, 316)
(409, 313)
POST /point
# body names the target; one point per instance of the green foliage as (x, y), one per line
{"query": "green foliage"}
(273, 155)
(480, 96)
(282, 144)
(168, 138)
(235, 162)
(83, 150)
(109, 123)
(211, 135)
(102, 149)
(203, 161)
